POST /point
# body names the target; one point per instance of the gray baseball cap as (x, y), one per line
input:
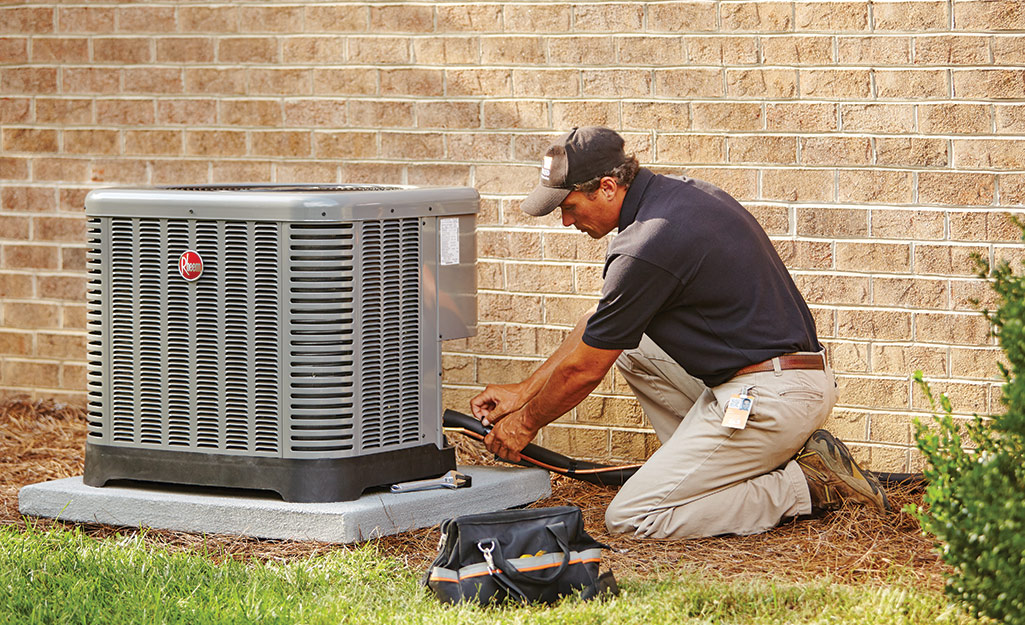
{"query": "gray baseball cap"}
(577, 156)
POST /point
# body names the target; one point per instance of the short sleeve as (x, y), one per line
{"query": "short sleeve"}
(633, 293)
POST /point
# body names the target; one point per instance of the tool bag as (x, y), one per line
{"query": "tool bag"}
(533, 555)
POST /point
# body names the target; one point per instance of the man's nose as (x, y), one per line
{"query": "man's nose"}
(567, 220)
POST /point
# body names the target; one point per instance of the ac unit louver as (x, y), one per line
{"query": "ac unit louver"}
(276, 337)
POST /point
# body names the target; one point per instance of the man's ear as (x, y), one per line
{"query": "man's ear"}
(608, 187)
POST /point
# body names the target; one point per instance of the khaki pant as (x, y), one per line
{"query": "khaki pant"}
(707, 479)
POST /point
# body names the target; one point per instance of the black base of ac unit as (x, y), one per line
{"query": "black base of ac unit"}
(316, 480)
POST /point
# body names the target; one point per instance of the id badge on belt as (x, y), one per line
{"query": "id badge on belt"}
(738, 409)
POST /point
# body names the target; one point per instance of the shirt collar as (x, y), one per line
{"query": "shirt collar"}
(632, 200)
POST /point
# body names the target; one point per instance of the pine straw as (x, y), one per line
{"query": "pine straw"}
(44, 441)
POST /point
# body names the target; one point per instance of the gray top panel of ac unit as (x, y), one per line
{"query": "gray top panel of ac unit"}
(282, 202)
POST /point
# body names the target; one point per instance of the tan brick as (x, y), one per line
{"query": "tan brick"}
(92, 141)
(1007, 50)
(546, 83)
(952, 329)
(825, 321)
(166, 142)
(989, 15)
(757, 17)
(146, 19)
(345, 144)
(15, 110)
(566, 310)
(216, 19)
(874, 324)
(329, 49)
(67, 111)
(416, 146)
(118, 170)
(972, 295)
(956, 188)
(952, 50)
(279, 81)
(16, 286)
(185, 49)
(988, 154)
(632, 446)
(805, 254)
(954, 118)
(86, 19)
(612, 411)
(122, 50)
(509, 245)
(512, 49)
(572, 246)
(882, 257)
(59, 169)
(976, 363)
(874, 50)
(233, 171)
(807, 117)
(996, 84)
(288, 143)
(655, 50)
(469, 18)
(250, 112)
(847, 357)
(153, 80)
(797, 50)
(763, 149)
(247, 50)
(477, 146)
(31, 374)
(414, 81)
(577, 442)
(912, 15)
(686, 83)
(873, 392)
(458, 369)
(964, 397)
(278, 19)
(1012, 189)
(947, 259)
(62, 287)
(1010, 119)
(478, 82)
(835, 83)
(892, 429)
(60, 49)
(834, 150)
(28, 199)
(190, 112)
(490, 276)
(616, 83)
(27, 19)
(14, 227)
(58, 229)
(73, 317)
(690, 148)
(373, 173)
(590, 50)
(29, 80)
(585, 113)
(509, 307)
(648, 115)
(124, 112)
(876, 186)
(742, 184)
(912, 152)
(732, 116)
(505, 179)
(532, 18)
(31, 315)
(731, 50)
(215, 142)
(12, 168)
(909, 293)
(907, 84)
(178, 172)
(796, 185)
(886, 118)
(761, 83)
(848, 424)
(446, 50)
(830, 289)
(515, 114)
(345, 81)
(378, 50)
(401, 19)
(903, 359)
(306, 172)
(587, 279)
(15, 343)
(534, 278)
(686, 16)
(605, 17)
(919, 225)
(214, 81)
(831, 16)
(447, 115)
(337, 18)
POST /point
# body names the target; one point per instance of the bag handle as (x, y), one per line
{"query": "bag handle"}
(561, 537)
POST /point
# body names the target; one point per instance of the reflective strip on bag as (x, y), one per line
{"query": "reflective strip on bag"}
(528, 563)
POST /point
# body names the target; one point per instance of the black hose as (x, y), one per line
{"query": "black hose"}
(605, 475)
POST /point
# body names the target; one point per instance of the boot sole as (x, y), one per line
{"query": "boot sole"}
(837, 458)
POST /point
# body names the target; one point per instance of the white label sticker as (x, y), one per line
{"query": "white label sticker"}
(449, 240)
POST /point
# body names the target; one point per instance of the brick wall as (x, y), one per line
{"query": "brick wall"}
(879, 143)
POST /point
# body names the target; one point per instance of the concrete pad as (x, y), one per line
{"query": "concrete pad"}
(376, 513)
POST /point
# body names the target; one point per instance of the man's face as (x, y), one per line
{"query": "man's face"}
(594, 214)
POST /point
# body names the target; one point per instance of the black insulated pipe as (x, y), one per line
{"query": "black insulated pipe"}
(605, 475)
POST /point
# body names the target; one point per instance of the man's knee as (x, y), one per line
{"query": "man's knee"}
(620, 521)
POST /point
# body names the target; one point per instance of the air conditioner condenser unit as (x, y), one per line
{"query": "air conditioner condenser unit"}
(274, 337)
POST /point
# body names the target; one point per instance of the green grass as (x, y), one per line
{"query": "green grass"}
(64, 576)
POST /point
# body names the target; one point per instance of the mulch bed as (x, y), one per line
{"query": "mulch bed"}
(42, 441)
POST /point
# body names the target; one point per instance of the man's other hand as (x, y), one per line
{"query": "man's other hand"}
(508, 438)
(495, 402)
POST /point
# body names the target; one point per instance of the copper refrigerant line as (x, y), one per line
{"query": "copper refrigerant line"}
(601, 474)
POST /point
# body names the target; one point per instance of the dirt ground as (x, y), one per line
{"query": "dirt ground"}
(42, 441)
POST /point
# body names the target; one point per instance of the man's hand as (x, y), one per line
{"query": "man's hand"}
(508, 438)
(495, 402)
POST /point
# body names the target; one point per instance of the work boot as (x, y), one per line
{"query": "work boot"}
(833, 476)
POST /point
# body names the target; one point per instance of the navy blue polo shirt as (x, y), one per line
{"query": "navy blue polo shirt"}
(692, 269)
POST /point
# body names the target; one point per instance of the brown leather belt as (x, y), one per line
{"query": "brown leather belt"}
(787, 361)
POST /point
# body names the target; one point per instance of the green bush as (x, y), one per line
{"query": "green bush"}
(976, 475)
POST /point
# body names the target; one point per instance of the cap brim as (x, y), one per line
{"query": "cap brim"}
(543, 200)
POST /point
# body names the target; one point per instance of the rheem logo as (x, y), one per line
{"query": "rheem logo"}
(190, 265)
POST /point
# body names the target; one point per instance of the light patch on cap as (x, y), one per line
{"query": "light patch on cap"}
(546, 168)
